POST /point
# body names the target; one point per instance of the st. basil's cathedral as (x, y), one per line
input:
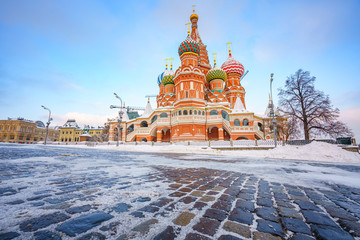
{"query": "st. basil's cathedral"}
(198, 102)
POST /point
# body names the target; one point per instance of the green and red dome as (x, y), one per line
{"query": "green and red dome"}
(189, 45)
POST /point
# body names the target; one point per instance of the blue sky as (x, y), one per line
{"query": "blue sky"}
(72, 55)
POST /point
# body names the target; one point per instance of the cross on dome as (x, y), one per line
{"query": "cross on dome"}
(188, 24)
(229, 43)
(214, 58)
(171, 59)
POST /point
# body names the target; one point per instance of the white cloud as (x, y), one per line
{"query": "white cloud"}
(82, 118)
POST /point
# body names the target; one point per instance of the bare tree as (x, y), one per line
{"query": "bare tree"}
(312, 108)
(105, 132)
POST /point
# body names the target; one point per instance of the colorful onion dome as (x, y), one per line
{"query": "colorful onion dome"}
(160, 78)
(189, 45)
(216, 73)
(231, 65)
(168, 79)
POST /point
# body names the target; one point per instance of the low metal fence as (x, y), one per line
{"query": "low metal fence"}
(231, 143)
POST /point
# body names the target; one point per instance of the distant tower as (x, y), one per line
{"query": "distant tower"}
(234, 70)
(203, 54)
(189, 79)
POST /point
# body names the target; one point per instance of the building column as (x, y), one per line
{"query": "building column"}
(221, 134)
(123, 133)
(158, 136)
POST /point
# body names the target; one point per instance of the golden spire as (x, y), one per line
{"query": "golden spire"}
(188, 24)
(166, 59)
(229, 43)
(171, 59)
(214, 58)
(194, 15)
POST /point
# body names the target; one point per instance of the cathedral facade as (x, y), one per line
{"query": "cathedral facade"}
(198, 102)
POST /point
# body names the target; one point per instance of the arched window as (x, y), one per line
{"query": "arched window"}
(179, 112)
(163, 115)
(236, 122)
(246, 122)
(225, 115)
(190, 112)
(187, 94)
(203, 113)
(185, 112)
(131, 128)
(195, 112)
(144, 124)
(154, 119)
(213, 112)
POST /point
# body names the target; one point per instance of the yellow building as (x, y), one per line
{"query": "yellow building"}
(71, 132)
(25, 131)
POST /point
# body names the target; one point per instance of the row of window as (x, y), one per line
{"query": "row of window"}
(91, 132)
(244, 123)
(69, 140)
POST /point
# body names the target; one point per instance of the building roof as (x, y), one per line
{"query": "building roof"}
(239, 106)
(148, 110)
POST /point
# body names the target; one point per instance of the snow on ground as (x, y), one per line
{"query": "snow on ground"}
(315, 151)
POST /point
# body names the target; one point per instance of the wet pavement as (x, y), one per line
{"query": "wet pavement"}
(68, 193)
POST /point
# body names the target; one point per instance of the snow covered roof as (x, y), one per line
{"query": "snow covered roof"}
(85, 135)
(71, 123)
(239, 106)
(125, 116)
(148, 110)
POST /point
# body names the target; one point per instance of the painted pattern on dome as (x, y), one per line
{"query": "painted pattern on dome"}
(231, 65)
(188, 45)
(216, 73)
(168, 79)
(160, 78)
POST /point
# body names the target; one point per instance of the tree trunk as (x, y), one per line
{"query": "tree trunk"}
(306, 131)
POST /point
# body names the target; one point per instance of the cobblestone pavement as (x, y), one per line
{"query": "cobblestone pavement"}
(56, 194)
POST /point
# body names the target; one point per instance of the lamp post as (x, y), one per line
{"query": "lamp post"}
(272, 113)
(48, 122)
(120, 116)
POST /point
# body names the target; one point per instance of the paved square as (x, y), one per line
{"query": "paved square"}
(70, 193)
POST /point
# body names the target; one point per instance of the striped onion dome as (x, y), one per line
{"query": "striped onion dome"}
(231, 65)
(189, 45)
(216, 73)
(160, 78)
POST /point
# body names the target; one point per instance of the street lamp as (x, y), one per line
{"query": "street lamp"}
(272, 113)
(48, 122)
(120, 116)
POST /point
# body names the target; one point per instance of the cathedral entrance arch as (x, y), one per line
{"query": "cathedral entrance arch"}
(242, 138)
(165, 134)
(226, 134)
(213, 133)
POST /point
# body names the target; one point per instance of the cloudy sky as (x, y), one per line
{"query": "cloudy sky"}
(72, 55)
